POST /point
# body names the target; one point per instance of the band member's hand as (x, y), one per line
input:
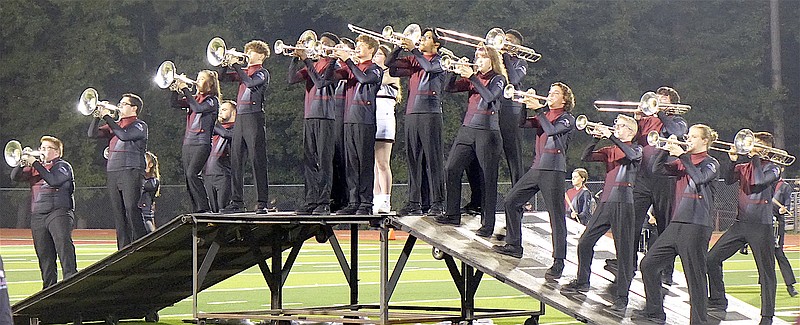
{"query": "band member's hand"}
(530, 102)
(605, 132)
(637, 115)
(341, 54)
(783, 210)
(464, 71)
(673, 148)
(301, 54)
(407, 44)
(732, 154)
(28, 160)
(651, 220)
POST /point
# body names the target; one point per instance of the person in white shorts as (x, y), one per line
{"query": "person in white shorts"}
(388, 96)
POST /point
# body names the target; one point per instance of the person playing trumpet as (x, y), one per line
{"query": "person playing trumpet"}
(690, 226)
(202, 106)
(125, 165)
(53, 209)
(479, 137)
(753, 225)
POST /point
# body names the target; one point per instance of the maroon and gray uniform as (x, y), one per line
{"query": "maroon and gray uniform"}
(217, 171)
(52, 218)
(549, 170)
(615, 211)
(687, 234)
(125, 171)
(783, 194)
(478, 140)
(753, 226)
(423, 122)
(200, 119)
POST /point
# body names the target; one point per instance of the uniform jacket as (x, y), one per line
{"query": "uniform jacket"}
(200, 116)
(483, 105)
(51, 185)
(363, 81)
(425, 83)
(320, 87)
(695, 185)
(128, 142)
(622, 161)
(757, 180)
(552, 137)
(253, 82)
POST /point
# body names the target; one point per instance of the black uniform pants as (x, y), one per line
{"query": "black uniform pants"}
(5, 304)
(783, 262)
(481, 147)
(124, 190)
(551, 183)
(690, 242)
(194, 158)
(424, 150)
(318, 160)
(618, 217)
(660, 193)
(512, 137)
(359, 147)
(339, 193)
(218, 189)
(762, 244)
(52, 236)
(250, 142)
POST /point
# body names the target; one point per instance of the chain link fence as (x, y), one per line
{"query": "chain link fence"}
(92, 206)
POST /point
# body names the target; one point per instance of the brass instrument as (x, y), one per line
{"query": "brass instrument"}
(14, 152)
(583, 123)
(88, 103)
(656, 140)
(744, 142)
(648, 105)
(452, 64)
(388, 35)
(167, 78)
(218, 54)
(307, 42)
(519, 96)
(495, 38)
(322, 50)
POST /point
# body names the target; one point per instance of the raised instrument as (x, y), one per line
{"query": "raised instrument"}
(322, 50)
(167, 78)
(218, 54)
(452, 64)
(14, 152)
(307, 42)
(495, 38)
(583, 123)
(88, 103)
(388, 35)
(519, 96)
(744, 142)
(648, 105)
(656, 140)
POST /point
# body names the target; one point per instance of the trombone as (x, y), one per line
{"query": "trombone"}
(388, 35)
(218, 54)
(451, 64)
(14, 152)
(744, 143)
(583, 123)
(307, 41)
(88, 102)
(656, 140)
(495, 38)
(167, 78)
(648, 105)
(519, 96)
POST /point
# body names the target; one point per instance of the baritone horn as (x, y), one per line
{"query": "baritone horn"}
(648, 105)
(656, 140)
(744, 143)
(388, 35)
(167, 78)
(307, 42)
(88, 104)
(14, 152)
(519, 96)
(583, 123)
(218, 54)
(495, 38)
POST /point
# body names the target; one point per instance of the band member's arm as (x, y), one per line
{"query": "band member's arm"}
(227, 75)
(516, 72)
(731, 171)
(493, 92)
(209, 105)
(768, 176)
(297, 72)
(259, 78)
(590, 155)
(563, 124)
(95, 131)
(21, 174)
(222, 131)
(674, 125)
(631, 153)
(133, 132)
(661, 166)
(398, 67)
(61, 174)
(457, 84)
(326, 78)
(428, 66)
(372, 75)
(702, 175)
(177, 100)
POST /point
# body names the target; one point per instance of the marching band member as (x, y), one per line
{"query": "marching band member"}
(203, 107)
(53, 209)
(125, 165)
(578, 199)
(753, 225)
(657, 190)
(388, 96)
(616, 208)
(250, 133)
(554, 124)
(690, 227)
(479, 136)
(339, 192)
(318, 124)
(783, 196)
(423, 120)
(151, 189)
(363, 81)
(217, 171)
(5, 304)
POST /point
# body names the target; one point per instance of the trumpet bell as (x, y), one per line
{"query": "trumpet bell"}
(496, 38)
(215, 51)
(652, 138)
(13, 153)
(88, 101)
(581, 121)
(165, 75)
(509, 91)
(278, 47)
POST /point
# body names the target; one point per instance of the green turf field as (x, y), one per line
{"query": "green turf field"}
(317, 280)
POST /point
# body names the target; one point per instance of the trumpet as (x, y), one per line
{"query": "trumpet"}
(744, 143)
(648, 105)
(323, 50)
(218, 54)
(519, 96)
(307, 41)
(656, 140)
(167, 78)
(495, 38)
(583, 123)
(13, 153)
(88, 103)
(450, 63)
(388, 35)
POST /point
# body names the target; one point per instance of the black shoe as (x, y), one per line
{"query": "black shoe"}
(448, 220)
(471, 209)
(575, 287)
(620, 304)
(791, 290)
(350, 209)
(322, 210)
(411, 209)
(233, 207)
(436, 210)
(765, 320)
(510, 250)
(743, 250)
(262, 208)
(485, 232)
(666, 279)
(554, 272)
(717, 307)
(364, 211)
(306, 209)
(642, 317)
